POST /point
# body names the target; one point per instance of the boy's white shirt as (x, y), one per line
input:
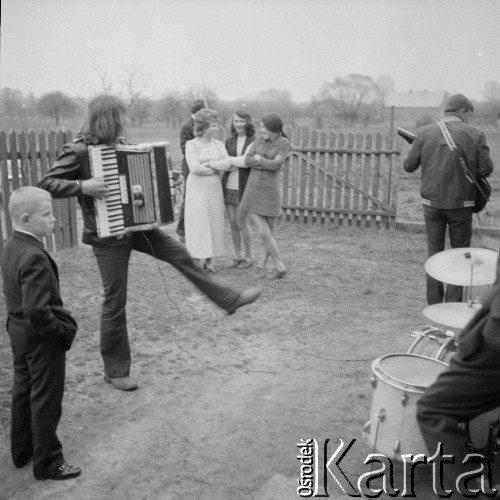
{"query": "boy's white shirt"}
(27, 232)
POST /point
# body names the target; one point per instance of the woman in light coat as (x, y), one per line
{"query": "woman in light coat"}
(204, 207)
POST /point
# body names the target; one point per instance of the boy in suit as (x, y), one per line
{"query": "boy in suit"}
(41, 330)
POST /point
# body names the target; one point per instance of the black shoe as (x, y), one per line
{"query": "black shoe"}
(247, 297)
(21, 462)
(64, 471)
(121, 383)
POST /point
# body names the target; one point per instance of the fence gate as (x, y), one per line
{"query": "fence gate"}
(340, 179)
(24, 159)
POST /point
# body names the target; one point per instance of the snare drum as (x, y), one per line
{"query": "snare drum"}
(433, 343)
(399, 380)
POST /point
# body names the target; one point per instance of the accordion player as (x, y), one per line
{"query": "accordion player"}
(139, 189)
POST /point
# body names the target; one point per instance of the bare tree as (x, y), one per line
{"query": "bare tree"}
(172, 107)
(11, 101)
(134, 86)
(348, 95)
(203, 91)
(131, 85)
(490, 109)
(385, 85)
(278, 101)
(491, 92)
(56, 104)
(106, 84)
(30, 103)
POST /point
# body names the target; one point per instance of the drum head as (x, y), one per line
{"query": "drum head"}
(410, 370)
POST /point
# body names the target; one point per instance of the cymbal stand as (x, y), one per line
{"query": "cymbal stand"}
(469, 291)
(490, 451)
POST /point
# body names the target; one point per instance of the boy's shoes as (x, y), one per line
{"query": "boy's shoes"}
(121, 383)
(64, 471)
(247, 297)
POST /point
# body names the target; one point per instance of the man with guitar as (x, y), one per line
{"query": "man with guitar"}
(450, 152)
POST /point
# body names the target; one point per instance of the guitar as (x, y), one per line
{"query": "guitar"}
(407, 136)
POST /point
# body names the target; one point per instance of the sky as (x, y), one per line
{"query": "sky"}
(241, 47)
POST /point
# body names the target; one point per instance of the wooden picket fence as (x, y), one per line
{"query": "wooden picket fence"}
(340, 179)
(330, 178)
(24, 159)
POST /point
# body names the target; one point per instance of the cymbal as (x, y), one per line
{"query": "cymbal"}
(454, 266)
(451, 314)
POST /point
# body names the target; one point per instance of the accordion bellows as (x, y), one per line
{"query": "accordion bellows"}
(139, 191)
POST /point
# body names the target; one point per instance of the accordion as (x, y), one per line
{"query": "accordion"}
(139, 187)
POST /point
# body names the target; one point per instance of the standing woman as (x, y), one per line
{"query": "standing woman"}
(262, 196)
(204, 210)
(233, 184)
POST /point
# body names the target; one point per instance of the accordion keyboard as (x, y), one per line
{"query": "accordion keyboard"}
(108, 210)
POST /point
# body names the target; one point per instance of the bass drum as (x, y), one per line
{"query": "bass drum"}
(399, 380)
(433, 343)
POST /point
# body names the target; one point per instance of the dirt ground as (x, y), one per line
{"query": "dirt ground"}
(224, 400)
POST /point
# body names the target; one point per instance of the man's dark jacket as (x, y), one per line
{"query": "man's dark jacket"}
(444, 183)
(187, 133)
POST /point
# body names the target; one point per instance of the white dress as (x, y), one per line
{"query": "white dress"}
(204, 207)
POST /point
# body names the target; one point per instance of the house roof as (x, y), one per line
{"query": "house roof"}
(416, 99)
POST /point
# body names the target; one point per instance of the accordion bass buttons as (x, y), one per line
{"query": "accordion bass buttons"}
(123, 189)
(138, 196)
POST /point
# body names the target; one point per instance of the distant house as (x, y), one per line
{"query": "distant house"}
(415, 105)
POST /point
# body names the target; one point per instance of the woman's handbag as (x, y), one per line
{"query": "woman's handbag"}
(481, 184)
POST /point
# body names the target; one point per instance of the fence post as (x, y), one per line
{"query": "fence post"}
(391, 145)
(5, 219)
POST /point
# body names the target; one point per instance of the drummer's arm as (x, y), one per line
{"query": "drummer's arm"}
(491, 330)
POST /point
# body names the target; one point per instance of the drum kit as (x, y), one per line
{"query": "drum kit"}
(400, 379)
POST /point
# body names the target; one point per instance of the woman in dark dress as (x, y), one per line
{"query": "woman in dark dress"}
(234, 182)
(262, 196)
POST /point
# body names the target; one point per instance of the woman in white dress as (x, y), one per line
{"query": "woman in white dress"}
(204, 207)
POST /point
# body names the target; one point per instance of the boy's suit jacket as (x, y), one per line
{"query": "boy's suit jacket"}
(31, 287)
